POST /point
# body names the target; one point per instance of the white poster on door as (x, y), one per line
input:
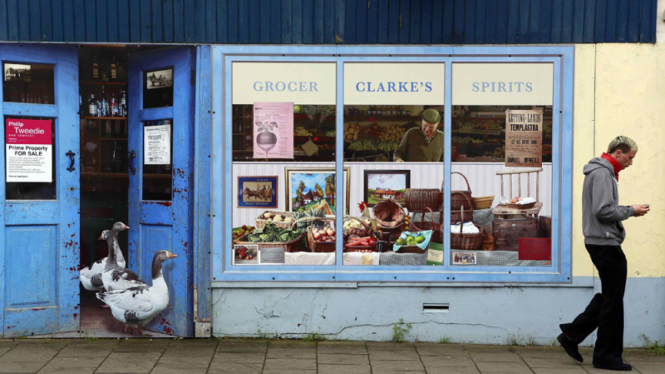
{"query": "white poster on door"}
(28, 144)
(157, 145)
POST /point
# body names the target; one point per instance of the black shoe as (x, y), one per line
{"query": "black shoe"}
(617, 367)
(570, 347)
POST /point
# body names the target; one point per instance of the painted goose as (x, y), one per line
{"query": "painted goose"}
(137, 306)
(91, 275)
(114, 276)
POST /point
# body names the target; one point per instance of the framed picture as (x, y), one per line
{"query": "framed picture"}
(314, 188)
(158, 88)
(386, 184)
(464, 258)
(257, 192)
(246, 254)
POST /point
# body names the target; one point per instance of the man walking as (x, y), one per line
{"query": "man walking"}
(603, 235)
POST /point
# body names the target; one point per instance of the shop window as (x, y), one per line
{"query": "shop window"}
(157, 160)
(285, 188)
(28, 83)
(30, 158)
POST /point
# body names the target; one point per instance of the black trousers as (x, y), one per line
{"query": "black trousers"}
(605, 311)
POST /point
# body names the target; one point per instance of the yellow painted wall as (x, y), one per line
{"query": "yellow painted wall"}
(628, 82)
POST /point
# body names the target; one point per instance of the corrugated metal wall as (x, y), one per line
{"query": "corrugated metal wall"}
(329, 21)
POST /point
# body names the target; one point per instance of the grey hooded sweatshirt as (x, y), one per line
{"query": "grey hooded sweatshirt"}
(601, 212)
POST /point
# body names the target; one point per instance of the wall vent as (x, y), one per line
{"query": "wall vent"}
(436, 308)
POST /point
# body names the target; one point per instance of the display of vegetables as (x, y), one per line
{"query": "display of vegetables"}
(323, 234)
(237, 233)
(271, 233)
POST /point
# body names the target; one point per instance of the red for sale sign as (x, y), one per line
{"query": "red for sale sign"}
(28, 146)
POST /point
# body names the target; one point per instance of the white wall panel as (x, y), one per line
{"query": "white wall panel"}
(482, 179)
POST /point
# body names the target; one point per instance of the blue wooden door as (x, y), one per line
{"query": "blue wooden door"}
(39, 240)
(161, 128)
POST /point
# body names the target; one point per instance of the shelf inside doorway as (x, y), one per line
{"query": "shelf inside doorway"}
(89, 117)
(124, 175)
(101, 83)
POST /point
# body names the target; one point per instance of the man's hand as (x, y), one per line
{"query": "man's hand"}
(640, 210)
(398, 160)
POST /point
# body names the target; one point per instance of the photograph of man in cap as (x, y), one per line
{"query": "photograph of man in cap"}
(424, 144)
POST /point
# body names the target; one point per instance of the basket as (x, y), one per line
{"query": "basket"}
(482, 202)
(466, 241)
(412, 249)
(461, 198)
(348, 248)
(295, 245)
(261, 223)
(316, 246)
(417, 199)
(437, 233)
(520, 206)
(389, 214)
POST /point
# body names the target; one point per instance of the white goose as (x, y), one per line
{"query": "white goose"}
(139, 305)
(114, 276)
(91, 275)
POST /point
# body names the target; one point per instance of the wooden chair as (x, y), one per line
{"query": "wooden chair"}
(502, 210)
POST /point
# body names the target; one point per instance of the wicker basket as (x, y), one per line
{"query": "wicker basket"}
(520, 206)
(389, 214)
(437, 232)
(417, 199)
(348, 248)
(412, 249)
(461, 198)
(295, 245)
(482, 202)
(261, 223)
(466, 241)
(316, 246)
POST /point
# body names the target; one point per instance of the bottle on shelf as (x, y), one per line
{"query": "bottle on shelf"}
(93, 108)
(108, 129)
(114, 105)
(105, 104)
(95, 68)
(123, 105)
(114, 69)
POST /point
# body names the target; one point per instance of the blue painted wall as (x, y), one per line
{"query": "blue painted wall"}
(478, 314)
(329, 21)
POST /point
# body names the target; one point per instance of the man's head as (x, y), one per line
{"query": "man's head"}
(623, 149)
(431, 119)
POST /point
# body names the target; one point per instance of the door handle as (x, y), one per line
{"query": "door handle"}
(71, 159)
(130, 164)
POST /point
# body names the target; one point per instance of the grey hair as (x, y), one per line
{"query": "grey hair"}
(621, 141)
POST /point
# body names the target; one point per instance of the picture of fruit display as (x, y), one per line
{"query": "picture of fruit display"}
(313, 189)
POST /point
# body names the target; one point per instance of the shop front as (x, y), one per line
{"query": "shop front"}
(368, 185)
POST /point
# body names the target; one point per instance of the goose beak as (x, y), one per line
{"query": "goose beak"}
(125, 227)
(100, 237)
(172, 255)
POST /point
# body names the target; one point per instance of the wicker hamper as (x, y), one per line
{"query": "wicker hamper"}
(317, 246)
(296, 245)
(349, 248)
(261, 223)
(461, 198)
(417, 199)
(422, 225)
(463, 241)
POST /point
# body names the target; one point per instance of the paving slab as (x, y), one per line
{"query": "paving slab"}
(538, 362)
(141, 345)
(350, 348)
(289, 364)
(233, 368)
(344, 369)
(69, 364)
(453, 370)
(571, 370)
(289, 372)
(398, 372)
(304, 352)
(239, 358)
(503, 367)
(21, 367)
(441, 349)
(649, 367)
(336, 359)
(25, 352)
(395, 365)
(123, 362)
(394, 355)
(168, 369)
(446, 361)
(378, 346)
(277, 344)
(496, 357)
(242, 346)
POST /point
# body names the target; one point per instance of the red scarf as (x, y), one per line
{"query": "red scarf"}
(617, 166)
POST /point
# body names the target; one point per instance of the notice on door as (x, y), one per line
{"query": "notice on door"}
(524, 138)
(273, 130)
(28, 145)
(157, 145)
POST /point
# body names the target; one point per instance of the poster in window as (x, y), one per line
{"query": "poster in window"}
(524, 138)
(28, 144)
(157, 147)
(273, 130)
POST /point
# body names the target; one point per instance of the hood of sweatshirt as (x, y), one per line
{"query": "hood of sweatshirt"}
(598, 163)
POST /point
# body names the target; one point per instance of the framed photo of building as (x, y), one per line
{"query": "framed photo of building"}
(386, 184)
(257, 192)
(314, 189)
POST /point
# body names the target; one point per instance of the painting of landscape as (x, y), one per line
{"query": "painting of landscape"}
(386, 184)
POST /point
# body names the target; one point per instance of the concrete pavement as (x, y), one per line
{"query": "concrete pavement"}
(249, 356)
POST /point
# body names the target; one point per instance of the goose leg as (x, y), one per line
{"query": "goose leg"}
(129, 328)
(140, 331)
